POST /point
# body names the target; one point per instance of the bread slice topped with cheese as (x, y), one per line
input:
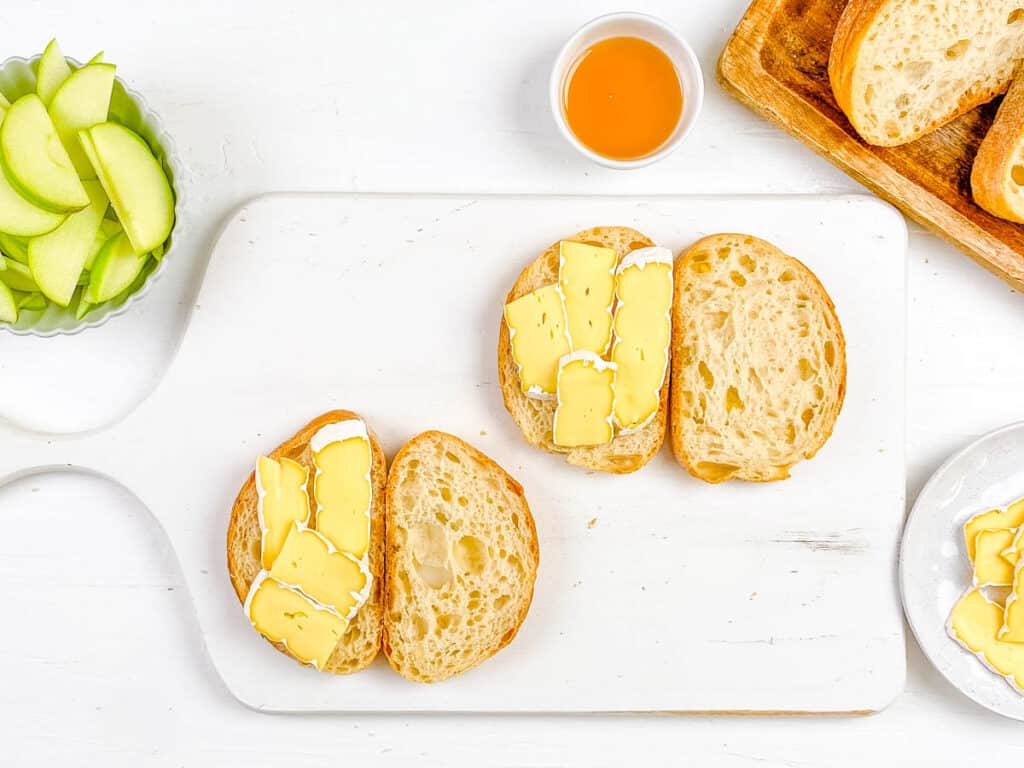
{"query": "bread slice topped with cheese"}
(462, 558)
(997, 177)
(305, 544)
(583, 349)
(900, 68)
(758, 361)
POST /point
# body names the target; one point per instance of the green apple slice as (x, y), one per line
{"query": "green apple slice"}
(19, 217)
(106, 231)
(8, 306)
(35, 161)
(82, 102)
(14, 247)
(17, 277)
(34, 302)
(97, 59)
(115, 269)
(53, 71)
(58, 258)
(137, 186)
(4, 106)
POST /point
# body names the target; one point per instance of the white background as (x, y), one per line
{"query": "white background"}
(405, 97)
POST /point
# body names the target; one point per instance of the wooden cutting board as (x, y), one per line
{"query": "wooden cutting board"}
(656, 592)
(777, 64)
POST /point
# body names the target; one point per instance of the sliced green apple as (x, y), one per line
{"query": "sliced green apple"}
(137, 186)
(17, 277)
(106, 231)
(8, 306)
(97, 59)
(4, 106)
(115, 269)
(35, 161)
(34, 302)
(82, 102)
(58, 258)
(14, 247)
(21, 218)
(53, 71)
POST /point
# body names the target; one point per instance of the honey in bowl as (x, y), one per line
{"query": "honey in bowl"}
(622, 98)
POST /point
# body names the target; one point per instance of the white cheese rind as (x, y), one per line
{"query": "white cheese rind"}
(338, 432)
(641, 257)
(247, 606)
(360, 597)
(599, 364)
(978, 654)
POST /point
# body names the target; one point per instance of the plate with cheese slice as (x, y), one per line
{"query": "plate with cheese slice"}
(961, 571)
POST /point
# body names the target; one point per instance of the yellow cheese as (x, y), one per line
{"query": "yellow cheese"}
(1011, 517)
(1012, 552)
(342, 487)
(990, 568)
(285, 615)
(643, 330)
(336, 580)
(586, 279)
(974, 623)
(283, 500)
(1012, 630)
(537, 333)
(586, 401)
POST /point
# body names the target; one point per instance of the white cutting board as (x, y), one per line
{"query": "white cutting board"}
(656, 592)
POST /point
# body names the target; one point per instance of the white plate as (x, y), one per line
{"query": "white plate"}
(934, 569)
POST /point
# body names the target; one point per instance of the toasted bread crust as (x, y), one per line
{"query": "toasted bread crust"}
(626, 452)
(993, 166)
(677, 419)
(243, 539)
(392, 547)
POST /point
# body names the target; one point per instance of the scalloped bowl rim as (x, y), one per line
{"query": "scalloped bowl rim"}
(170, 153)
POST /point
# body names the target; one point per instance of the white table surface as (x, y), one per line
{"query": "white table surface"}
(100, 658)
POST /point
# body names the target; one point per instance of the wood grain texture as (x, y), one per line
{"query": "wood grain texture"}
(776, 62)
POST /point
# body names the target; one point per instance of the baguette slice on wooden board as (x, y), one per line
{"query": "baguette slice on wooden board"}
(361, 642)
(462, 558)
(997, 177)
(900, 68)
(758, 361)
(535, 418)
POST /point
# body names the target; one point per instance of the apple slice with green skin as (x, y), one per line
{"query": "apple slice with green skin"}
(53, 71)
(97, 59)
(115, 269)
(21, 218)
(8, 306)
(14, 247)
(34, 302)
(17, 277)
(35, 161)
(82, 102)
(134, 181)
(4, 106)
(58, 258)
(106, 231)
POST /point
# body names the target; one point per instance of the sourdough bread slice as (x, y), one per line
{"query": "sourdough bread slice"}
(758, 361)
(997, 178)
(361, 642)
(535, 418)
(901, 68)
(462, 558)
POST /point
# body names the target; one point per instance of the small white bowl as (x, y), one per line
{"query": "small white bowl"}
(17, 77)
(654, 31)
